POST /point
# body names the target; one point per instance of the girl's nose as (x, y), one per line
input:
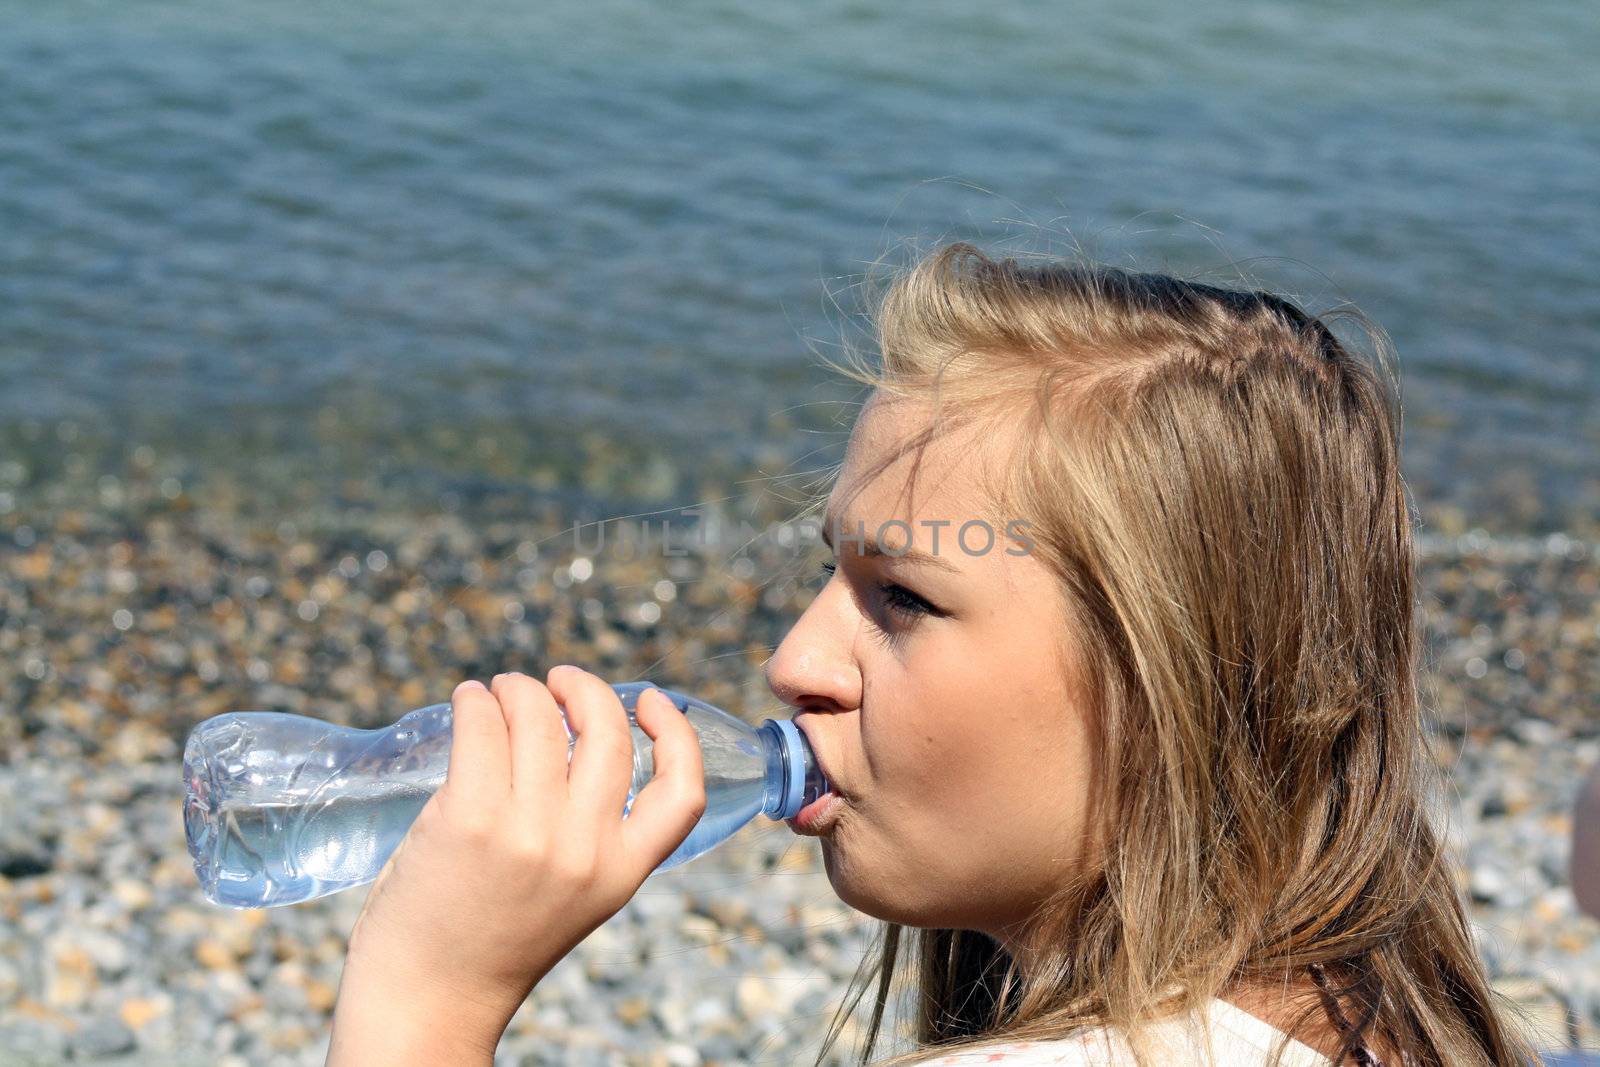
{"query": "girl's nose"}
(804, 679)
(813, 666)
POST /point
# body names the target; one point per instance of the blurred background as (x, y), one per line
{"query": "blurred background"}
(321, 326)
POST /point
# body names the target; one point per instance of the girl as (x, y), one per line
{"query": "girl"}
(1114, 682)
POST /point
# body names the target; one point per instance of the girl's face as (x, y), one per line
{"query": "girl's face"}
(937, 692)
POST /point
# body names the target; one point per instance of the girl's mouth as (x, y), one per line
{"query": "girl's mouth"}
(817, 817)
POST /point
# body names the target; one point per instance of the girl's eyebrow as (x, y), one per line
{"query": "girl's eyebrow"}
(871, 548)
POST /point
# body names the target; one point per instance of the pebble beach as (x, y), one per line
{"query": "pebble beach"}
(135, 609)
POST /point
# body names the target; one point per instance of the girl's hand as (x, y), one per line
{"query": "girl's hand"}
(515, 860)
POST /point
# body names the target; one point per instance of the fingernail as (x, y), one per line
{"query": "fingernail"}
(495, 679)
(563, 667)
(470, 683)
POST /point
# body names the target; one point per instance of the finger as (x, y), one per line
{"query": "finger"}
(480, 752)
(601, 770)
(538, 740)
(669, 806)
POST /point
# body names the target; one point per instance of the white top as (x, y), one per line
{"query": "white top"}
(1238, 1039)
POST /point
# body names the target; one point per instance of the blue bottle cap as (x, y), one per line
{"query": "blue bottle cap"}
(794, 797)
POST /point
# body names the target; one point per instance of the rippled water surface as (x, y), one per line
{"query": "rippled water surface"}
(597, 242)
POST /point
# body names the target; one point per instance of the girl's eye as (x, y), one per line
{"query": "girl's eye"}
(895, 595)
(904, 601)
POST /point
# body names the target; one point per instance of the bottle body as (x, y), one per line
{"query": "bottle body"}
(284, 808)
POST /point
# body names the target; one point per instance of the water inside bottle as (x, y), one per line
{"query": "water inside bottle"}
(268, 853)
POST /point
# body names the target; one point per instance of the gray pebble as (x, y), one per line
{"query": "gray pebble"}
(100, 1038)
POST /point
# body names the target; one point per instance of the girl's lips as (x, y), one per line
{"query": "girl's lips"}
(817, 817)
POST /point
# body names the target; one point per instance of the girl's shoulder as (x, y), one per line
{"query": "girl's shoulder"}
(1093, 1048)
(1221, 1035)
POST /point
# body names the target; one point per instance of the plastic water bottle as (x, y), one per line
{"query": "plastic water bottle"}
(283, 808)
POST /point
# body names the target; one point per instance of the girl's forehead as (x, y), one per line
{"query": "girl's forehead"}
(888, 472)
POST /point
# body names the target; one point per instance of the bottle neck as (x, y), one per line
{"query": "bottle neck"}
(793, 777)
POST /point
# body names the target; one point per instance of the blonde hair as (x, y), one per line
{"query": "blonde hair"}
(1215, 480)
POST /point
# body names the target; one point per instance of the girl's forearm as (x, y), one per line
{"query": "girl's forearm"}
(402, 1042)
(404, 1028)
